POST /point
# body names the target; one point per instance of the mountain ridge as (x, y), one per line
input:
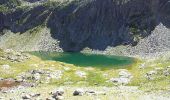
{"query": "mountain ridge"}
(94, 24)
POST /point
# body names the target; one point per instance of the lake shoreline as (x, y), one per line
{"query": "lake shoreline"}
(41, 77)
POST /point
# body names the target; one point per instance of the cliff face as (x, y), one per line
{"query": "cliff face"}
(96, 24)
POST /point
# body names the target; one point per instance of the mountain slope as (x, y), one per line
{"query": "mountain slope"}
(96, 24)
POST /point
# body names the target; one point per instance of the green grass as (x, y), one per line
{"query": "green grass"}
(4, 9)
(95, 76)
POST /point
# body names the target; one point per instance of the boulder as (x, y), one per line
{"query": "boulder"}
(58, 92)
(78, 92)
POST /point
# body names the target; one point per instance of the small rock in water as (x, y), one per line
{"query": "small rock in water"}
(78, 92)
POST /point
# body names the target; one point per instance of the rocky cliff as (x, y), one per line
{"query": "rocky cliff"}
(77, 24)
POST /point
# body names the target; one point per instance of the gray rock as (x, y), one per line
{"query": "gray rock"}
(125, 74)
(150, 75)
(1, 79)
(166, 72)
(92, 92)
(78, 92)
(36, 76)
(30, 96)
(58, 97)
(120, 81)
(37, 71)
(58, 92)
(35, 95)
(26, 96)
(124, 78)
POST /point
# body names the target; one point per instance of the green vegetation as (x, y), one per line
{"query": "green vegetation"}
(95, 76)
(4, 9)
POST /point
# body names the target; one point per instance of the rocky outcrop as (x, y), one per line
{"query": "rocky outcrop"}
(1, 21)
(96, 24)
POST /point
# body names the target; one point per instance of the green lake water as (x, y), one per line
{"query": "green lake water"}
(87, 60)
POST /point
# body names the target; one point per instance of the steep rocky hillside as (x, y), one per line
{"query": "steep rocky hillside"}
(112, 26)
